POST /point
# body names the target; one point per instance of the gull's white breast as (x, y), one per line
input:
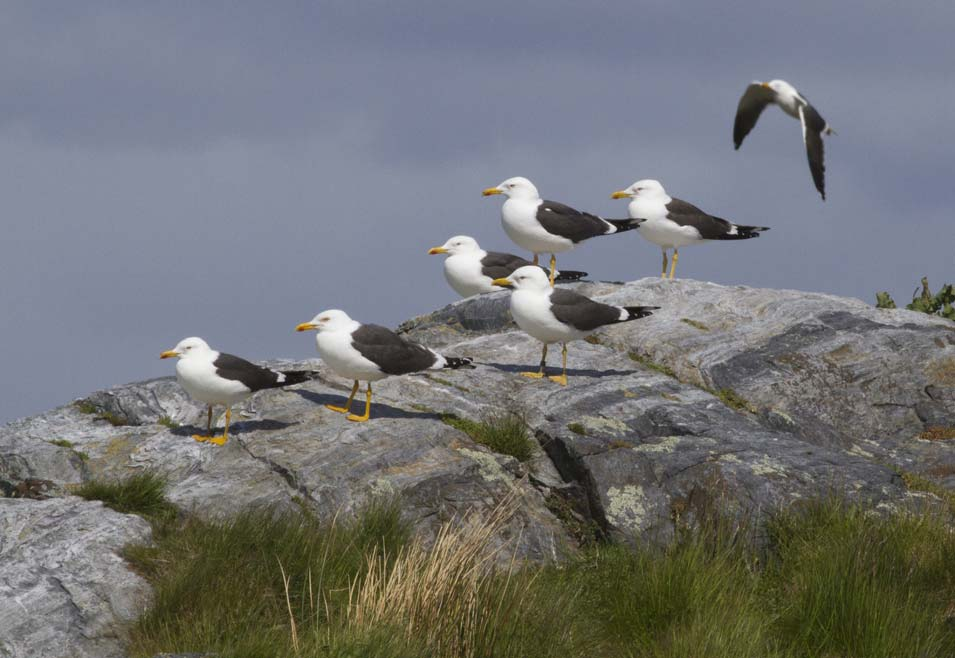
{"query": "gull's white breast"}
(336, 349)
(657, 228)
(519, 219)
(198, 377)
(463, 272)
(531, 312)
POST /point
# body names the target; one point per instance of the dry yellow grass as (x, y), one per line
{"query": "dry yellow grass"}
(444, 595)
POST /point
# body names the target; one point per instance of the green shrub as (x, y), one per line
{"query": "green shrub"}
(142, 494)
(504, 432)
(941, 303)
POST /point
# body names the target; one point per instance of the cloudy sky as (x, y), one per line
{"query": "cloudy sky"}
(175, 169)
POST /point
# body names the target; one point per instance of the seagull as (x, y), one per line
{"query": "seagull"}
(547, 226)
(218, 378)
(672, 223)
(470, 270)
(369, 352)
(760, 94)
(557, 315)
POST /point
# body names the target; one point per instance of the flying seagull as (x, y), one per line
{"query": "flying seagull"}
(369, 352)
(547, 226)
(760, 94)
(672, 223)
(558, 315)
(218, 378)
(470, 270)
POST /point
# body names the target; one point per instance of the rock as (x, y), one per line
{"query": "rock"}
(64, 589)
(741, 399)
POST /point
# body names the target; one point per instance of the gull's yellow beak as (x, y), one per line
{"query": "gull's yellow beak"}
(168, 354)
(620, 195)
(434, 251)
(491, 191)
(506, 283)
(306, 326)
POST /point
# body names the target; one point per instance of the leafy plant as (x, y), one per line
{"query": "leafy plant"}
(504, 432)
(941, 303)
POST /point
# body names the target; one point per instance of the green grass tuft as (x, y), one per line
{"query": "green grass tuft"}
(695, 324)
(166, 421)
(63, 443)
(219, 585)
(577, 428)
(647, 362)
(504, 432)
(87, 407)
(734, 400)
(827, 579)
(142, 494)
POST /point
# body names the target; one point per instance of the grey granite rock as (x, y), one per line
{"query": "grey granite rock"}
(742, 398)
(64, 589)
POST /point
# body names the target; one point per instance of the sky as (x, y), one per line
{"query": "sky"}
(176, 169)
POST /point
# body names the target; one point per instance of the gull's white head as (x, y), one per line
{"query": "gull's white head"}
(781, 87)
(643, 189)
(459, 244)
(331, 320)
(187, 347)
(529, 277)
(514, 188)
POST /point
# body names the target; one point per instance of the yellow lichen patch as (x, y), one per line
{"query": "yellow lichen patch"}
(942, 371)
(490, 470)
(841, 355)
(626, 506)
(768, 466)
(667, 444)
(938, 434)
(603, 424)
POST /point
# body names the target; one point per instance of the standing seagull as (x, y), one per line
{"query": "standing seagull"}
(760, 94)
(672, 223)
(369, 352)
(558, 316)
(547, 226)
(470, 270)
(218, 378)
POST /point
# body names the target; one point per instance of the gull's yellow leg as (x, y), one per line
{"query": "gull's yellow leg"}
(562, 377)
(553, 269)
(347, 407)
(362, 419)
(663, 274)
(538, 375)
(220, 440)
(199, 437)
(535, 259)
(676, 254)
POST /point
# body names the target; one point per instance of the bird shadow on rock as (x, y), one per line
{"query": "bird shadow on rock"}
(378, 409)
(238, 427)
(555, 370)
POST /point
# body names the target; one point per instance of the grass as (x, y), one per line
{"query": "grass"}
(166, 421)
(938, 434)
(142, 494)
(87, 407)
(695, 324)
(504, 432)
(593, 339)
(827, 579)
(915, 482)
(63, 443)
(734, 400)
(647, 362)
(577, 428)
